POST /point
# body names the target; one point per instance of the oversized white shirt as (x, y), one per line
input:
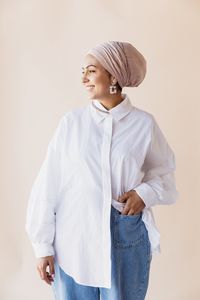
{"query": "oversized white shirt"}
(94, 156)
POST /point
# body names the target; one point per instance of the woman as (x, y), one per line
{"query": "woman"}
(89, 216)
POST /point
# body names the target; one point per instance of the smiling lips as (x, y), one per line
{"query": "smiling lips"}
(89, 87)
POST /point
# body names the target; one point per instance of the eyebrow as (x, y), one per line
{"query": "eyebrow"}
(89, 66)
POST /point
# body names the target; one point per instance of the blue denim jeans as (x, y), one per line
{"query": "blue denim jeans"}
(131, 257)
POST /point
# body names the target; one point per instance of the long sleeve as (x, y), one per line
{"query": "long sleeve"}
(40, 217)
(158, 184)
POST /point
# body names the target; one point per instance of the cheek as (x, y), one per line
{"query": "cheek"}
(102, 81)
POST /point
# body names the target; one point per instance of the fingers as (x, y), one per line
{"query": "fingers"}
(127, 195)
(43, 264)
(51, 267)
(131, 212)
(134, 204)
(44, 275)
(123, 197)
(127, 208)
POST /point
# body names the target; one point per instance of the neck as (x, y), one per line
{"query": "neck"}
(111, 100)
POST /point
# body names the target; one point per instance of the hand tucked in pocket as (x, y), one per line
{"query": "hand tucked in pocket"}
(134, 204)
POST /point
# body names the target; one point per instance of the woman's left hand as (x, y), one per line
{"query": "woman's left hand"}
(134, 204)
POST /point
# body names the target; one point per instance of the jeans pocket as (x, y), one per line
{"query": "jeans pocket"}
(128, 230)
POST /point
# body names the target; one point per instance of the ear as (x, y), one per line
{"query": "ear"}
(113, 79)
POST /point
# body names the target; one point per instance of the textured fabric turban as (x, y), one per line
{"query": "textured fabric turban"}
(122, 60)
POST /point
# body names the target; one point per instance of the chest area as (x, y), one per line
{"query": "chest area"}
(88, 141)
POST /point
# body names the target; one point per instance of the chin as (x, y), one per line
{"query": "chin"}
(92, 96)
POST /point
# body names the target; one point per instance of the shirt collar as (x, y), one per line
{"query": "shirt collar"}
(118, 112)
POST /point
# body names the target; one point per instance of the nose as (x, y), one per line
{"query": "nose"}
(84, 77)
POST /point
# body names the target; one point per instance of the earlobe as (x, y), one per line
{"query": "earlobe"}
(113, 79)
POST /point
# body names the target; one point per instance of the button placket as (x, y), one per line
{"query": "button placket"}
(107, 191)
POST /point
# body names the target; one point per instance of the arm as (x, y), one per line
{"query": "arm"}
(40, 217)
(158, 184)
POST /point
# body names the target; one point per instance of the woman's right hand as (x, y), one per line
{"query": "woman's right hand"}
(42, 264)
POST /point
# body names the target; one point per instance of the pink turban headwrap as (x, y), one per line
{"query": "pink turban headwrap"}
(121, 60)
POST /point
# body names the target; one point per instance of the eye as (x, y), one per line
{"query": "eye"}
(90, 71)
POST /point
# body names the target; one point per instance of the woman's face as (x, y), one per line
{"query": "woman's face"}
(95, 78)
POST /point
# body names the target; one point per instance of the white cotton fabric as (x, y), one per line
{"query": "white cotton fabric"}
(94, 156)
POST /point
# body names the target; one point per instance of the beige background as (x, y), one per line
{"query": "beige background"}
(42, 48)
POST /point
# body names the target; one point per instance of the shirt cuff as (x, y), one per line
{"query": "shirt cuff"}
(43, 249)
(147, 194)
